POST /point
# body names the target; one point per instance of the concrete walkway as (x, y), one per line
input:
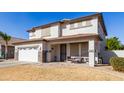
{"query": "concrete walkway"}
(10, 63)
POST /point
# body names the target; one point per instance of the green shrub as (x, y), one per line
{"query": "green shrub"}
(117, 63)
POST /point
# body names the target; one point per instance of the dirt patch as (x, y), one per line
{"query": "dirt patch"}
(35, 72)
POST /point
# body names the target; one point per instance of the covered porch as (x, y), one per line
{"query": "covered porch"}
(62, 50)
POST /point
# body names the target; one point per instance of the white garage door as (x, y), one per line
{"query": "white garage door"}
(28, 54)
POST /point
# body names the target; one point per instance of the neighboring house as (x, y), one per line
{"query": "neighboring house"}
(84, 36)
(11, 47)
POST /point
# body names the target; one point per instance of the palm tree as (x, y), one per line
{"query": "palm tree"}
(6, 38)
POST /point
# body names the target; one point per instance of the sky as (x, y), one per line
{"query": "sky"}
(16, 24)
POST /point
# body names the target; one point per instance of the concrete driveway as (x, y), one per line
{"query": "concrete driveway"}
(10, 63)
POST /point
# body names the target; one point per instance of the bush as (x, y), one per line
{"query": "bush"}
(117, 63)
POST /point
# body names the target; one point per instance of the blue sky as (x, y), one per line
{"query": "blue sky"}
(16, 24)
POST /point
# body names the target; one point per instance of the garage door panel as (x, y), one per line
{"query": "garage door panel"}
(29, 55)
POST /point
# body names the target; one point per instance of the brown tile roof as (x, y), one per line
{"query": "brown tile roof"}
(27, 41)
(72, 36)
(99, 15)
(13, 40)
(58, 38)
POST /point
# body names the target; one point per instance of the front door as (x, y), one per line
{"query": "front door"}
(63, 52)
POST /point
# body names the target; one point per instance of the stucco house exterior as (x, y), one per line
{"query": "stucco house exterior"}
(83, 36)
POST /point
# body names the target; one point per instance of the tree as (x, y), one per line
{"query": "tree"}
(6, 38)
(122, 47)
(113, 43)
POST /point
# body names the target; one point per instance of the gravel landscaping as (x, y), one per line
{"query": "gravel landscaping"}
(44, 72)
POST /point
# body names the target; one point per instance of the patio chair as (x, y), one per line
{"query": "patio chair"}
(77, 60)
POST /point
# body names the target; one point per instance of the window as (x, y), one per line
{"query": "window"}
(88, 23)
(80, 24)
(29, 48)
(45, 32)
(35, 48)
(71, 26)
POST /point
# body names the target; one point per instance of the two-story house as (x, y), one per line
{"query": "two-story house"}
(84, 37)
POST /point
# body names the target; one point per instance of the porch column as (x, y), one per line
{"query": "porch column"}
(0, 51)
(79, 49)
(40, 54)
(68, 50)
(96, 52)
(16, 53)
(91, 53)
(48, 53)
(58, 58)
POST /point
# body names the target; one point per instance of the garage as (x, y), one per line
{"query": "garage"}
(28, 54)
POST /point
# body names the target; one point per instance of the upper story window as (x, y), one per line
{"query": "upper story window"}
(80, 24)
(72, 26)
(45, 32)
(88, 23)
